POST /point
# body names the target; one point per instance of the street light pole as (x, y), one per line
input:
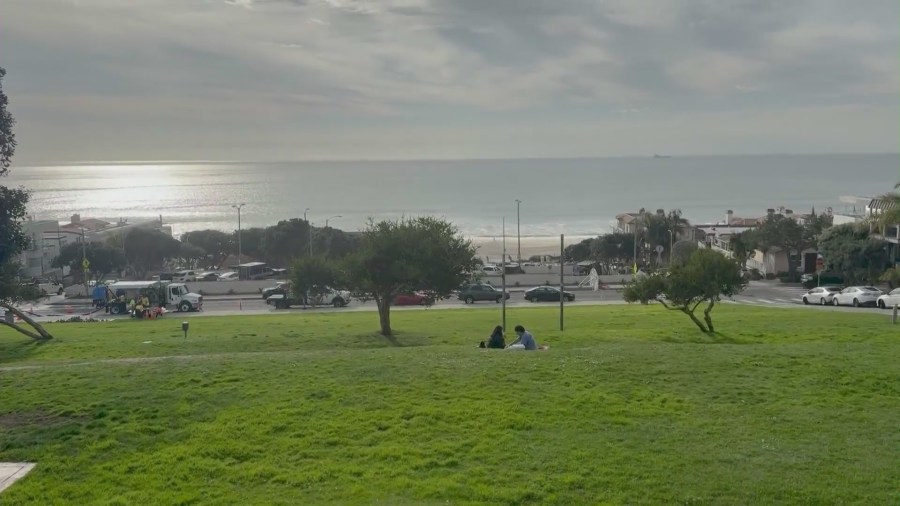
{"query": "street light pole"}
(240, 250)
(331, 218)
(519, 232)
(84, 271)
(309, 229)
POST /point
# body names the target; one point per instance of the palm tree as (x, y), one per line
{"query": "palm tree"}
(889, 216)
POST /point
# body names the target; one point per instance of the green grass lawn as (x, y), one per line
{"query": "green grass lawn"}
(631, 405)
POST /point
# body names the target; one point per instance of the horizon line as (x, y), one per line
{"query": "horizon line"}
(655, 156)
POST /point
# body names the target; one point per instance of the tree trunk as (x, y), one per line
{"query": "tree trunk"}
(708, 318)
(384, 315)
(41, 335)
(694, 319)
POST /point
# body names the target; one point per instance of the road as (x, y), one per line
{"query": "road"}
(758, 293)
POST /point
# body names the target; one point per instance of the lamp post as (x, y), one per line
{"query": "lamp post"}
(331, 218)
(240, 250)
(671, 245)
(309, 228)
(519, 232)
(84, 263)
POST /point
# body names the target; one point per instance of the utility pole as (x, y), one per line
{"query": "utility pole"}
(84, 263)
(309, 229)
(503, 278)
(519, 232)
(240, 249)
(562, 292)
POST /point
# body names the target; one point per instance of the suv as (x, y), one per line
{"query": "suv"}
(472, 293)
(278, 289)
(50, 287)
(184, 276)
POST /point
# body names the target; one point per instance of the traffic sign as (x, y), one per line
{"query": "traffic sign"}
(820, 263)
(660, 248)
(85, 264)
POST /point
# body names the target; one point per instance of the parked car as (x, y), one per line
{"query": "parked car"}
(821, 295)
(184, 276)
(413, 299)
(272, 290)
(889, 299)
(48, 287)
(857, 296)
(286, 298)
(207, 276)
(476, 292)
(228, 276)
(491, 269)
(547, 294)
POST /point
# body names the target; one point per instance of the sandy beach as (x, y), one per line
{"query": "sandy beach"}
(491, 248)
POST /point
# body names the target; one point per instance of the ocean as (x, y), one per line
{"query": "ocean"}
(576, 197)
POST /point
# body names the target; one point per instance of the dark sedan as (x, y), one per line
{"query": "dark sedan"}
(473, 293)
(547, 294)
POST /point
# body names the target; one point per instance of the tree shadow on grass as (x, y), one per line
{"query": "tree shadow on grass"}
(17, 351)
(701, 338)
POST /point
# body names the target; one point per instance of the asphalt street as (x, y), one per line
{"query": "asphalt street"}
(758, 293)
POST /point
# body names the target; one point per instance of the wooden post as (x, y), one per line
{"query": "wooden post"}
(894, 315)
(562, 249)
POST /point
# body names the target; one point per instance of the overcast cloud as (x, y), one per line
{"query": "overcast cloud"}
(300, 79)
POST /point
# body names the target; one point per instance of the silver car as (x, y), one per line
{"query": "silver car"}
(857, 296)
(821, 295)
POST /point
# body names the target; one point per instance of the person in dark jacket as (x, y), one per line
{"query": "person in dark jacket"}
(496, 340)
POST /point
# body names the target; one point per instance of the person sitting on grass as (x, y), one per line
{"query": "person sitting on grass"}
(525, 341)
(496, 340)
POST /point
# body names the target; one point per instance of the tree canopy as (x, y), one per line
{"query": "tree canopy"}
(789, 235)
(13, 202)
(102, 257)
(313, 276)
(426, 254)
(215, 243)
(705, 278)
(146, 249)
(851, 251)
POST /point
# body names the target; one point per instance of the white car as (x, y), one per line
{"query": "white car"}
(228, 276)
(857, 296)
(889, 299)
(184, 276)
(821, 295)
(491, 269)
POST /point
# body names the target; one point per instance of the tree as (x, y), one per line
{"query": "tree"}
(581, 251)
(102, 257)
(285, 241)
(705, 278)
(146, 249)
(426, 254)
(682, 251)
(742, 246)
(215, 243)
(13, 240)
(312, 276)
(251, 242)
(780, 232)
(851, 251)
(190, 254)
(659, 229)
(614, 248)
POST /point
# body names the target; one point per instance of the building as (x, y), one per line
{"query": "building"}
(49, 237)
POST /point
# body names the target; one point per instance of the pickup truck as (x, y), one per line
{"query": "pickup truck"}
(286, 299)
(50, 287)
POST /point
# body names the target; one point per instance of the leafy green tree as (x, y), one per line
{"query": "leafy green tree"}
(427, 254)
(581, 251)
(851, 251)
(705, 278)
(780, 232)
(286, 240)
(659, 229)
(190, 254)
(215, 243)
(614, 248)
(682, 251)
(251, 242)
(312, 276)
(103, 259)
(742, 246)
(146, 249)
(13, 202)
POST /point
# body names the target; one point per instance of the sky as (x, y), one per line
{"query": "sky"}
(105, 80)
